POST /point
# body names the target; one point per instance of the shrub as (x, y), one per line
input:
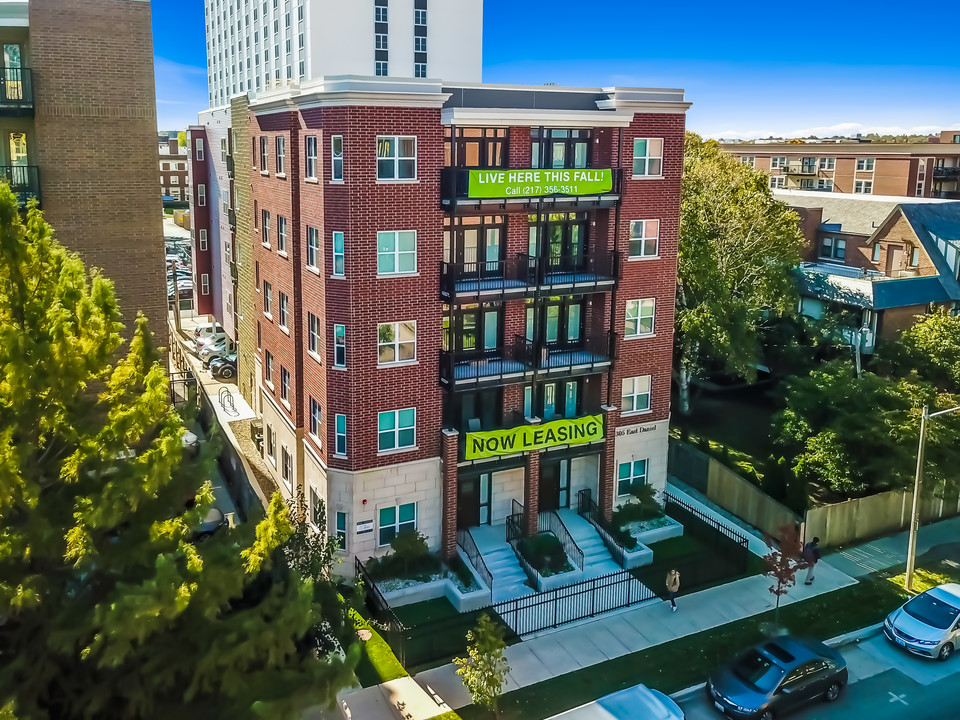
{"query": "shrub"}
(460, 569)
(410, 548)
(544, 552)
(410, 560)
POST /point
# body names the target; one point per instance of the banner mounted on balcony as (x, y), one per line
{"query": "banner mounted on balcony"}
(526, 438)
(534, 183)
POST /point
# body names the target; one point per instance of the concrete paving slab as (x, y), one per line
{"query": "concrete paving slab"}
(861, 664)
(925, 672)
(581, 647)
(443, 682)
(555, 657)
(607, 642)
(525, 667)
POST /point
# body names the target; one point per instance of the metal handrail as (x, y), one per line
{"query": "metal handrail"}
(602, 266)
(590, 511)
(16, 87)
(549, 521)
(669, 497)
(469, 546)
(515, 522)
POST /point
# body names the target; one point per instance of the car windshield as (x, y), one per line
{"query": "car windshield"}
(930, 611)
(757, 670)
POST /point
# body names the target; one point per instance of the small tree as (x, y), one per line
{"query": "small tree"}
(484, 669)
(783, 561)
(182, 138)
(410, 547)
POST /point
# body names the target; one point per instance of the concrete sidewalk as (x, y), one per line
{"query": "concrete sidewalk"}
(889, 552)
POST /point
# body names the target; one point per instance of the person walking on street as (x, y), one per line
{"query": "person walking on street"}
(811, 555)
(673, 587)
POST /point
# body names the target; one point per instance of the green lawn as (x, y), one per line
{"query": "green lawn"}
(742, 420)
(377, 663)
(423, 612)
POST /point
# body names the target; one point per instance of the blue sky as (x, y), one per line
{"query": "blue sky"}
(748, 71)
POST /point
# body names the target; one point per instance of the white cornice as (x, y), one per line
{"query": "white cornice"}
(516, 117)
(353, 90)
(14, 13)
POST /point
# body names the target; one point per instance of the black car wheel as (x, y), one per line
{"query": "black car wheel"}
(832, 693)
(945, 652)
(767, 715)
(226, 372)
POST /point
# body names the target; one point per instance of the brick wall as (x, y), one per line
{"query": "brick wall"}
(245, 242)
(199, 171)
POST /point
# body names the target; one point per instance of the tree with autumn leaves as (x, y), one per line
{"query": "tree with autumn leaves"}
(109, 607)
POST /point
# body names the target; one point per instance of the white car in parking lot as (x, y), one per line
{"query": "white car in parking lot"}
(635, 703)
(929, 624)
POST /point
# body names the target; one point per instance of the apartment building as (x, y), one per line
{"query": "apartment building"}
(174, 176)
(54, 87)
(855, 168)
(461, 295)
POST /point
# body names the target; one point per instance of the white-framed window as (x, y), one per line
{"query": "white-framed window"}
(341, 530)
(198, 144)
(313, 334)
(420, 44)
(915, 257)
(267, 298)
(396, 157)
(825, 184)
(644, 238)
(336, 154)
(265, 227)
(919, 190)
(778, 161)
(827, 163)
(629, 474)
(833, 248)
(284, 384)
(396, 252)
(174, 180)
(281, 233)
(777, 182)
(647, 157)
(284, 310)
(396, 429)
(268, 367)
(420, 70)
(286, 468)
(876, 253)
(396, 342)
(340, 346)
(316, 418)
(863, 187)
(281, 155)
(419, 17)
(339, 259)
(202, 195)
(340, 434)
(204, 284)
(635, 394)
(380, 68)
(311, 152)
(380, 40)
(750, 160)
(203, 240)
(264, 153)
(380, 13)
(639, 317)
(866, 164)
(394, 520)
(271, 444)
(313, 247)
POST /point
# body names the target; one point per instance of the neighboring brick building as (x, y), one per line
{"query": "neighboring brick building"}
(68, 74)
(174, 183)
(906, 169)
(878, 261)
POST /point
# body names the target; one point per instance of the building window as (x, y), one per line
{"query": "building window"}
(825, 184)
(204, 284)
(380, 68)
(647, 157)
(311, 156)
(202, 195)
(316, 418)
(284, 311)
(313, 333)
(264, 154)
(268, 367)
(340, 346)
(341, 531)
(420, 70)
(339, 263)
(336, 151)
(833, 248)
(203, 240)
(271, 444)
(281, 233)
(863, 187)
(396, 429)
(396, 342)
(340, 434)
(750, 160)
(265, 227)
(778, 182)
(380, 13)
(396, 157)
(639, 317)
(267, 298)
(313, 247)
(381, 41)
(286, 469)
(866, 164)
(281, 155)
(199, 147)
(630, 474)
(876, 253)
(828, 163)
(420, 44)
(919, 189)
(915, 257)
(396, 252)
(644, 238)
(395, 520)
(556, 148)
(778, 161)
(284, 384)
(316, 510)
(635, 395)
(420, 18)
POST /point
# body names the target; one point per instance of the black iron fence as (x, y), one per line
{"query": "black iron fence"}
(469, 546)
(551, 522)
(16, 90)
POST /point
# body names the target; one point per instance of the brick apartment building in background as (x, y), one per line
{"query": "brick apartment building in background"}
(926, 170)
(174, 180)
(56, 60)
(421, 260)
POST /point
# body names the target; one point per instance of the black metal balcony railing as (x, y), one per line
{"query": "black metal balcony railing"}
(24, 180)
(946, 172)
(455, 196)
(16, 91)
(230, 166)
(466, 368)
(476, 279)
(580, 356)
(800, 169)
(232, 219)
(945, 195)
(592, 270)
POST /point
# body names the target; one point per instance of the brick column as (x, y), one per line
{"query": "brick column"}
(449, 445)
(607, 485)
(531, 494)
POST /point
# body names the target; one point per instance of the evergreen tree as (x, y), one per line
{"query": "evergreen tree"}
(109, 606)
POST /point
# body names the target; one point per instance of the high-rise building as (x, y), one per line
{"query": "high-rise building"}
(78, 131)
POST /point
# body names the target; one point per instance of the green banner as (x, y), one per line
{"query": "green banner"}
(534, 183)
(525, 438)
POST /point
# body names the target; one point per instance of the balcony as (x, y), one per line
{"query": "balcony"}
(230, 167)
(232, 219)
(525, 275)
(488, 191)
(945, 195)
(799, 169)
(584, 356)
(842, 271)
(16, 92)
(946, 173)
(24, 180)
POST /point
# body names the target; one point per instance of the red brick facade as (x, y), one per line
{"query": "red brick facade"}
(200, 220)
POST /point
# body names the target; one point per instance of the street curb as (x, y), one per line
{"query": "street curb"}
(837, 642)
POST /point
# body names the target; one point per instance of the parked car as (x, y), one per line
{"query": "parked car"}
(210, 340)
(224, 366)
(636, 702)
(217, 348)
(205, 330)
(929, 624)
(212, 521)
(776, 677)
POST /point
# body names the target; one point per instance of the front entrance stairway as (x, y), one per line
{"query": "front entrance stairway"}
(597, 560)
(509, 580)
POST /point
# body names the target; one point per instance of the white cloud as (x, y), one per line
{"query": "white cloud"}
(847, 129)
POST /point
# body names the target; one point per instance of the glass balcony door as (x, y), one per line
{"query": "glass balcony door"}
(476, 327)
(475, 246)
(557, 323)
(559, 240)
(12, 71)
(559, 149)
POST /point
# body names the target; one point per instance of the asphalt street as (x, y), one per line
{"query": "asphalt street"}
(886, 683)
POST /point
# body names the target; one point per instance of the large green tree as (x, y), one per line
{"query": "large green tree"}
(738, 248)
(109, 605)
(930, 347)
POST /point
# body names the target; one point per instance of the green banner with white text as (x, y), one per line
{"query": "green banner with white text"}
(526, 438)
(534, 183)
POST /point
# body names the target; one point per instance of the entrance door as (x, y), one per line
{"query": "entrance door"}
(475, 327)
(473, 501)
(17, 148)
(894, 260)
(12, 73)
(561, 322)
(554, 485)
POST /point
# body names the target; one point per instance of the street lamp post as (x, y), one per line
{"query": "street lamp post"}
(917, 481)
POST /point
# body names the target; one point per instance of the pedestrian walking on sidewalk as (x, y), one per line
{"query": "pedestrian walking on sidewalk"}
(673, 587)
(810, 558)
